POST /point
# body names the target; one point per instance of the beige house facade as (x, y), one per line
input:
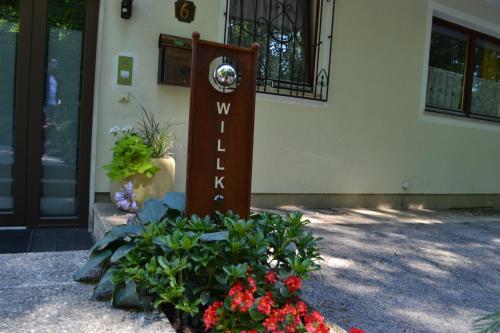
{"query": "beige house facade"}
(371, 144)
(369, 139)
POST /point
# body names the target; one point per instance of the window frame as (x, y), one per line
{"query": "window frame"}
(317, 69)
(472, 37)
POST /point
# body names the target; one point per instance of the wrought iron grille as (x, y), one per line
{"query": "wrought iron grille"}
(296, 42)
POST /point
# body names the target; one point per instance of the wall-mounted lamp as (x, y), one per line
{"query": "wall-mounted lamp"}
(126, 10)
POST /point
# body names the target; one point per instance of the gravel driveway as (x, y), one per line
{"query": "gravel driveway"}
(404, 271)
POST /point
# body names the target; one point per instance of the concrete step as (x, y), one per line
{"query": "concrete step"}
(107, 216)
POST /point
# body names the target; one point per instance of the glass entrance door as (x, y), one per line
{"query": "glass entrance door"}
(9, 35)
(45, 128)
(61, 108)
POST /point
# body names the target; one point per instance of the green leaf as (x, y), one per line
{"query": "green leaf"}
(104, 288)
(152, 210)
(163, 262)
(175, 200)
(161, 242)
(221, 279)
(191, 308)
(284, 292)
(94, 261)
(127, 297)
(255, 314)
(122, 251)
(205, 297)
(215, 236)
(116, 233)
(131, 156)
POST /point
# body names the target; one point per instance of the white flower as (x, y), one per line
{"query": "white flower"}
(114, 130)
(127, 128)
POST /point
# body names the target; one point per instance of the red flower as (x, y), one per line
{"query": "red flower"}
(301, 308)
(356, 330)
(252, 284)
(265, 304)
(242, 298)
(277, 314)
(237, 299)
(293, 283)
(210, 317)
(322, 328)
(271, 323)
(270, 278)
(248, 301)
(288, 309)
(317, 317)
(315, 327)
(310, 328)
(237, 287)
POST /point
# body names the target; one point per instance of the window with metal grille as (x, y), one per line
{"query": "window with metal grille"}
(296, 41)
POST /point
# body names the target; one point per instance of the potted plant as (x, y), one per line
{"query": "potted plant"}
(142, 159)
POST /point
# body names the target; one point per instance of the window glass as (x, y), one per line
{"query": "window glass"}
(294, 37)
(61, 109)
(9, 31)
(446, 68)
(486, 79)
(283, 31)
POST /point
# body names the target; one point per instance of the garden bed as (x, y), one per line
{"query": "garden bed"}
(212, 274)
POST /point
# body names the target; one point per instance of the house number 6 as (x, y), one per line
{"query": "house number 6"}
(185, 11)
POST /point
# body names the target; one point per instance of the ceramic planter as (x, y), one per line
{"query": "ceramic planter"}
(155, 187)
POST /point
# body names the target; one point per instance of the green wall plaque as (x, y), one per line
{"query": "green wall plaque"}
(125, 70)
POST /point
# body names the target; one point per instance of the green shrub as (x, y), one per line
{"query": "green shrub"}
(131, 156)
(189, 262)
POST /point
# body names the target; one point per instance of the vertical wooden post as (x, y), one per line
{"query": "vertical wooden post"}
(221, 125)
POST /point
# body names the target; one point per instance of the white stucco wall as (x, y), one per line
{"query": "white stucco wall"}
(369, 137)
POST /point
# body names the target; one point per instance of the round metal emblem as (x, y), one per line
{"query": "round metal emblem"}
(225, 75)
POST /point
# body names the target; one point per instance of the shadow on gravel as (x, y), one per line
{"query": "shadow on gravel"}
(401, 277)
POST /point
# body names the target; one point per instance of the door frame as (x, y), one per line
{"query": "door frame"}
(20, 118)
(30, 81)
(37, 80)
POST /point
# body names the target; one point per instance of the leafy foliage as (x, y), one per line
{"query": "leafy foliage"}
(160, 138)
(489, 323)
(189, 262)
(131, 156)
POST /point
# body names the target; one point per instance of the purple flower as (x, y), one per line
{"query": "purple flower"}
(125, 199)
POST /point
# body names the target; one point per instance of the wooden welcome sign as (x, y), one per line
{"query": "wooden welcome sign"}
(221, 124)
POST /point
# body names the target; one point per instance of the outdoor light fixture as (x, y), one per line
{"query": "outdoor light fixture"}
(225, 75)
(126, 9)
